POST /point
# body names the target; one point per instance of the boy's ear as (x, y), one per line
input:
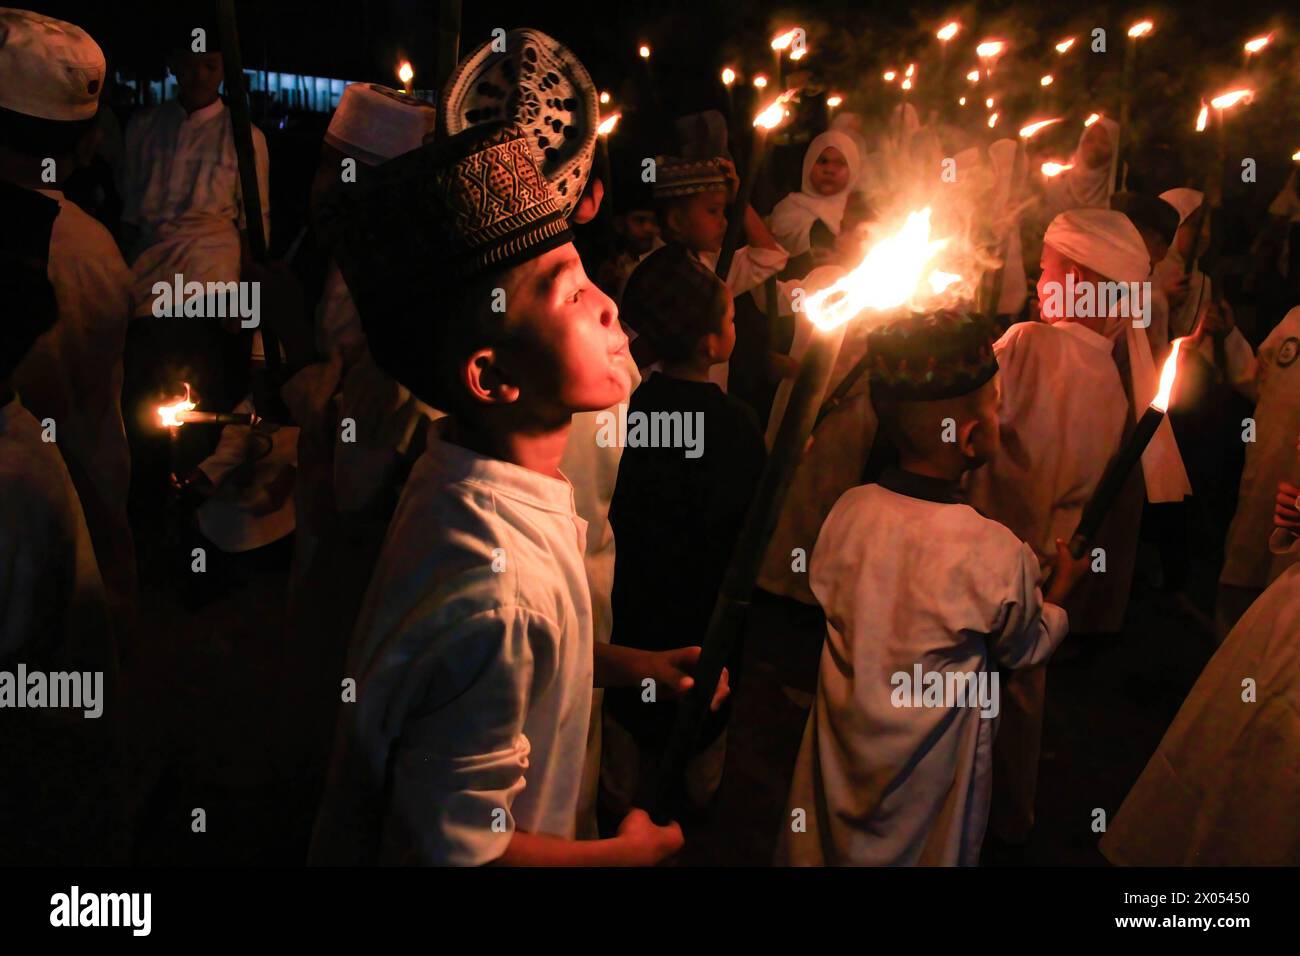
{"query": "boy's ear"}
(486, 381)
(966, 432)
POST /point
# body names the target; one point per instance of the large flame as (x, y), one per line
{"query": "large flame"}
(895, 272)
(1028, 131)
(772, 115)
(1227, 100)
(167, 414)
(1167, 376)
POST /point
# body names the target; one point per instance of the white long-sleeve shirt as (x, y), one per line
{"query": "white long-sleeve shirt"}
(908, 577)
(180, 187)
(473, 680)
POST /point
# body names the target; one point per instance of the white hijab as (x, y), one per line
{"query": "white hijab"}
(1082, 186)
(793, 217)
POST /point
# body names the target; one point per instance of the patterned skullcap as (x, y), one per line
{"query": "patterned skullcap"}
(671, 300)
(49, 69)
(931, 356)
(676, 177)
(536, 84)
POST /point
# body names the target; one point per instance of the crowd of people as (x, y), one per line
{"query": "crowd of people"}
(504, 431)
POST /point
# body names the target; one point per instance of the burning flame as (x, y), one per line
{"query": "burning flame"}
(167, 413)
(604, 97)
(948, 31)
(895, 272)
(608, 123)
(1257, 44)
(989, 49)
(834, 100)
(760, 82)
(989, 102)
(1028, 131)
(1226, 100)
(1092, 118)
(1140, 29)
(728, 76)
(783, 41)
(799, 54)
(1295, 157)
(1047, 80)
(1202, 117)
(405, 72)
(961, 100)
(772, 115)
(911, 69)
(889, 76)
(907, 83)
(1167, 375)
(973, 76)
(993, 120)
(1065, 45)
(643, 51)
(1051, 169)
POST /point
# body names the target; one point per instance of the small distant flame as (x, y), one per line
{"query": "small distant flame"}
(989, 103)
(1065, 45)
(911, 69)
(1202, 118)
(604, 97)
(989, 49)
(889, 76)
(834, 100)
(948, 31)
(608, 123)
(993, 120)
(643, 51)
(1227, 100)
(973, 76)
(1028, 131)
(1092, 118)
(1047, 80)
(961, 100)
(1167, 376)
(771, 116)
(783, 41)
(1051, 169)
(760, 82)
(798, 54)
(1140, 29)
(405, 72)
(907, 83)
(1257, 44)
(1295, 157)
(895, 272)
(167, 413)
(728, 76)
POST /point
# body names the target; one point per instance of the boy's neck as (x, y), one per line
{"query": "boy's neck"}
(538, 451)
(692, 370)
(946, 471)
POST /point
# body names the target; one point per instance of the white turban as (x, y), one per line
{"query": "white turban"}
(1103, 240)
(376, 124)
(48, 69)
(1185, 200)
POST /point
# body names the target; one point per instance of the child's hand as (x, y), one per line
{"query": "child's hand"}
(733, 179)
(1067, 571)
(643, 843)
(671, 671)
(1286, 514)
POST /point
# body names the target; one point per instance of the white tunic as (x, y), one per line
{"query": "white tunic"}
(474, 684)
(1062, 416)
(180, 187)
(1269, 459)
(906, 581)
(73, 375)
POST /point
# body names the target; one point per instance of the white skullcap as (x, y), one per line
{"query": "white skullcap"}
(376, 124)
(1103, 240)
(1185, 200)
(48, 69)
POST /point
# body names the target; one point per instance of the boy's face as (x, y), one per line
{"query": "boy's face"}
(830, 173)
(569, 353)
(1185, 239)
(1157, 248)
(985, 440)
(199, 77)
(640, 229)
(1095, 149)
(700, 221)
(720, 344)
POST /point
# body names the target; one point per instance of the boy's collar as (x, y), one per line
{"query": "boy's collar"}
(459, 463)
(924, 487)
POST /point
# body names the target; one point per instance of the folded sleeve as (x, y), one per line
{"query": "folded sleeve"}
(1031, 629)
(752, 266)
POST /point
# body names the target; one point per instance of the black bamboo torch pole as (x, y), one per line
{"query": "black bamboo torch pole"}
(1112, 481)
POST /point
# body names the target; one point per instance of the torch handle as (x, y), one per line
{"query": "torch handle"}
(1112, 481)
(736, 215)
(728, 620)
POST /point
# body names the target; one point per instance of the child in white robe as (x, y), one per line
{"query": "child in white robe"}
(473, 655)
(912, 581)
(830, 173)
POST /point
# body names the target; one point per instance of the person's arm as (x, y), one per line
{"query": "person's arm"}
(1035, 624)
(618, 666)
(639, 843)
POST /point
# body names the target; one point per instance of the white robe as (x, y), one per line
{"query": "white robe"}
(1269, 459)
(73, 375)
(473, 684)
(907, 581)
(1223, 786)
(180, 187)
(793, 217)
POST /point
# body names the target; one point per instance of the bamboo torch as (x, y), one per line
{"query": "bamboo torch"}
(890, 276)
(603, 132)
(769, 119)
(1135, 32)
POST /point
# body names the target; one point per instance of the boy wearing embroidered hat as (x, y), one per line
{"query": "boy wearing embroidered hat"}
(51, 75)
(473, 653)
(918, 589)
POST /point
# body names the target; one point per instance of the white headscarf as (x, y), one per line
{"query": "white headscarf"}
(793, 217)
(1083, 186)
(1107, 242)
(1185, 200)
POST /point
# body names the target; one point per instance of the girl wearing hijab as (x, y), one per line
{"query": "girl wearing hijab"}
(1091, 180)
(830, 173)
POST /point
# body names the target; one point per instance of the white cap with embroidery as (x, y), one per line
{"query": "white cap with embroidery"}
(49, 69)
